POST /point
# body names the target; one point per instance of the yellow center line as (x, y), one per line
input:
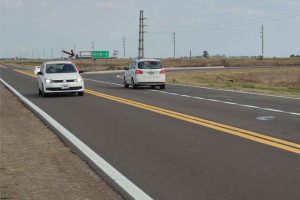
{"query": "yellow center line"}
(26, 73)
(250, 135)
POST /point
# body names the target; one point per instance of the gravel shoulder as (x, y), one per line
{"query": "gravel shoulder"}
(35, 164)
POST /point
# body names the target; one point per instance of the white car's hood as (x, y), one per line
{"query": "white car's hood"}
(62, 76)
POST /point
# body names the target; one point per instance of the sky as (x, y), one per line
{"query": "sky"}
(230, 27)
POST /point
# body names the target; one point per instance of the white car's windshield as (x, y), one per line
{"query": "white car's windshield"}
(150, 65)
(60, 68)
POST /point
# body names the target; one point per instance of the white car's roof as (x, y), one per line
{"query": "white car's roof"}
(147, 59)
(59, 62)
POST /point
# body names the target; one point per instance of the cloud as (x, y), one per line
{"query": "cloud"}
(235, 11)
(105, 4)
(43, 4)
(113, 3)
(13, 3)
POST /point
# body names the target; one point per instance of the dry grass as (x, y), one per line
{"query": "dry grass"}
(279, 81)
(283, 79)
(231, 62)
(112, 64)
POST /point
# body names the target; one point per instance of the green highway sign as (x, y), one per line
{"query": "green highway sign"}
(100, 54)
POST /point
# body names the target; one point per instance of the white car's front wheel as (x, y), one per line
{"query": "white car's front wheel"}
(40, 91)
(80, 93)
(44, 94)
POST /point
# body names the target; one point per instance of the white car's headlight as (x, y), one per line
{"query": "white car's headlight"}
(48, 81)
(79, 79)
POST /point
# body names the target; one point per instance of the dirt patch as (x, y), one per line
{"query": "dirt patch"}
(35, 164)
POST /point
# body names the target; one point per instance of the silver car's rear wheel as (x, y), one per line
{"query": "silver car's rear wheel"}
(134, 86)
(125, 83)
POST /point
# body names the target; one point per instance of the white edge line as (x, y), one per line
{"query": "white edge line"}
(116, 177)
(231, 103)
(105, 72)
(22, 67)
(242, 92)
(3, 66)
(102, 82)
(167, 68)
(208, 88)
(183, 68)
(213, 100)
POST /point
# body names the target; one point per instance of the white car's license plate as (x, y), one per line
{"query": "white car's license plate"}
(65, 86)
(151, 73)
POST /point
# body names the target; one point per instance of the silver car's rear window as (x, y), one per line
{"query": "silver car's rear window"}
(150, 65)
(60, 68)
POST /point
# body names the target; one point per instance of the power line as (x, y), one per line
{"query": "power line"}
(240, 23)
(277, 18)
(244, 11)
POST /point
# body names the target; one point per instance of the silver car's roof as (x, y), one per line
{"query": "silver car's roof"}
(59, 62)
(146, 59)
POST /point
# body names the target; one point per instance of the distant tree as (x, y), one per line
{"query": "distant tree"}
(205, 54)
(260, 58)
(292, 56)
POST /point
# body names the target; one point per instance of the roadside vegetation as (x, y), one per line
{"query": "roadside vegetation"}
(278, 76)
(115, 64)
(278, 81)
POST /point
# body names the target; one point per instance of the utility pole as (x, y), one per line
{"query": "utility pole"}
(38, 53)
(141, 35)
(62, 53)
(44, 54)
(174, 43)
(262, 41)
(93, 45)
(190, 57)
(124, 45)
(52, 53)
(93, 49)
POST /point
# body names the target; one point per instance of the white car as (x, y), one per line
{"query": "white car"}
(145, 72)
(58, 77)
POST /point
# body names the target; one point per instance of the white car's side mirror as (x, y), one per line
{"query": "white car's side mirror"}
(37, 69)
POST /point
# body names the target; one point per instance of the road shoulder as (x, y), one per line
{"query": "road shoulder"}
(35, 164)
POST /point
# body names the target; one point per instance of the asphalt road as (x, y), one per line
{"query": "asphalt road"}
(173, 158)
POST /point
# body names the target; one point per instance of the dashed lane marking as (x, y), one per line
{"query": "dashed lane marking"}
(222, 128)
